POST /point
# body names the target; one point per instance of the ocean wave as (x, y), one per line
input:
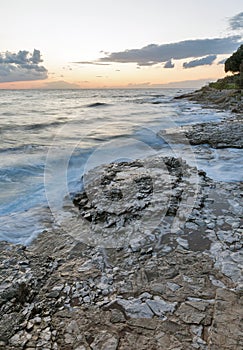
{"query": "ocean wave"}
(22, 148)
(22, 227)
(31, 126)
(12, 174)
(42, 125)
(158, 95)
(97, 104)
(156, 99)
(8, 114)
(158, 102)
(37, 126)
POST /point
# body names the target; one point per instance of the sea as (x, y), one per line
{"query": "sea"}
(49, 139)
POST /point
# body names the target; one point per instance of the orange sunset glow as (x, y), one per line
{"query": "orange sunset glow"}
(106, 45)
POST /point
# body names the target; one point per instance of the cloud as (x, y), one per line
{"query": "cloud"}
(236, 22)
(153, 54)
(36, 57)
(67, 68)
(21, 66)
(208, 60)
(60, 84)
(169, 64)
(222, 61)
(95, 63)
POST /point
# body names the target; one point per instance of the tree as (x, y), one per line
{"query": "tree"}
(232, 64)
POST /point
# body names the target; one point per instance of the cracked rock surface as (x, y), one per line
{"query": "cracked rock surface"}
(171, 277)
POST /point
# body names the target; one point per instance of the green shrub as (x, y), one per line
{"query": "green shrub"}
(227, 83)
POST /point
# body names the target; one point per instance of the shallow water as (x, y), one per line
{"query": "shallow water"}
(50, 137)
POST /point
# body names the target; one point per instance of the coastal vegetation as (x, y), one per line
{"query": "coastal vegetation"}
(225, 93)
(233, 64)
(227, 83)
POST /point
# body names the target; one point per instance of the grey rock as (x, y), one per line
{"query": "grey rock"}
(104, 341)
(216, 282)
(183, 242)
(117, 316)
(87, 299)
(161, 307)
(37, 320)
(133, 308)
(54, 294)
(68, 338)
(173, 286)
(232, 270)
(197, 330)
(189, 315)
(191, 226)
(158, 288)
(145, 296)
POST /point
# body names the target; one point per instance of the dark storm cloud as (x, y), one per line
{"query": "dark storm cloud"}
(201, 62)
(154, 54)
(236, 22)
(169, 64)
(21, 66)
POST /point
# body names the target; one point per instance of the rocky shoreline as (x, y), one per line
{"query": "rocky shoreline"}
(150, 257)
(223, 99)
(224, 134)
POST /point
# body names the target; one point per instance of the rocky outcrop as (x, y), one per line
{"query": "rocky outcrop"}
(122, 201)
(227, 133)
(173, 283)
(222, 99)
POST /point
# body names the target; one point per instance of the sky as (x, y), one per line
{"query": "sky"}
(122, 43)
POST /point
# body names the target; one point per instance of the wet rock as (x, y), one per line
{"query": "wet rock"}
(145, 198)
(217, 135)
